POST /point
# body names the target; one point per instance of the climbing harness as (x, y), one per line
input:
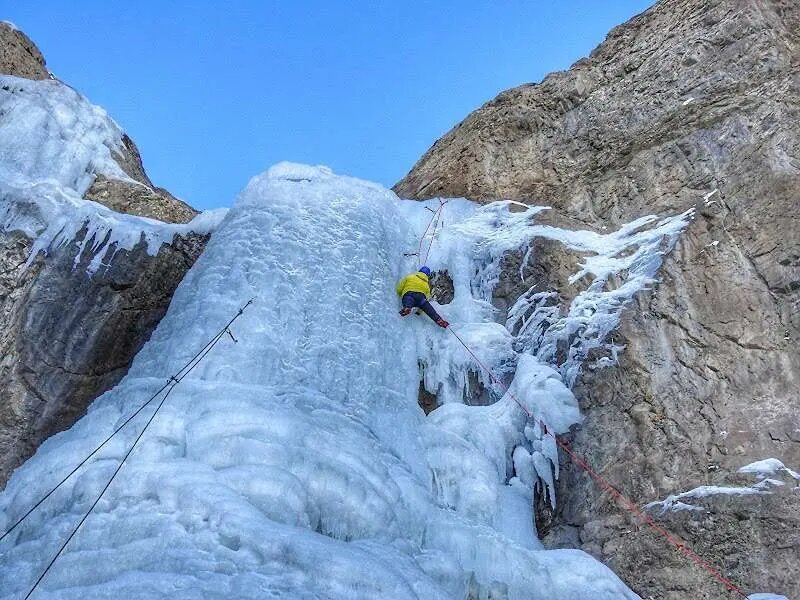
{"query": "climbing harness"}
(619, 496)
(170, 385)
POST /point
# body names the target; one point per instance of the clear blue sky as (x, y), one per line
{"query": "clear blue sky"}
(215, 92)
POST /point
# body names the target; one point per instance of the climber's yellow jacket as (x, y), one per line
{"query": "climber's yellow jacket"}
(416, 282)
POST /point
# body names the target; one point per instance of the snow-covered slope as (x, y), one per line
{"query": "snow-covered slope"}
(296, 462)
(53, 144)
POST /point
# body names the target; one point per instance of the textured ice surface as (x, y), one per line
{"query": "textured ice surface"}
(53, 143)
(49, 132)
(768, 466)
(296, 462)
(633, 254)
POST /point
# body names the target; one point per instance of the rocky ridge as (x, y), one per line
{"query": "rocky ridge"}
(143, 200)
(19, 56)
(690, 104)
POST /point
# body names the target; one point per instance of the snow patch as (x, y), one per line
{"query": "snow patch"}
(707, 197)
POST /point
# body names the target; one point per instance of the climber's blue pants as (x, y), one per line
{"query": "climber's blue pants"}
(418, 300)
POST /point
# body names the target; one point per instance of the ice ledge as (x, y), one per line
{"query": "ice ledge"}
(673, 503)
(768, 466)
(53, 216)
(761, 469)
(298, 172)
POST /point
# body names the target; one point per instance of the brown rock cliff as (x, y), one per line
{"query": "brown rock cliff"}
(692, 103)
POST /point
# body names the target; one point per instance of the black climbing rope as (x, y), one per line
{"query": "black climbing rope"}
(173, 381)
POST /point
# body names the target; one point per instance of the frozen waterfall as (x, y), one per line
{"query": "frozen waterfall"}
(297, 462)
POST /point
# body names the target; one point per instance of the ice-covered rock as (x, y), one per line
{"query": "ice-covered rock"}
(296, 462)
(81, 286)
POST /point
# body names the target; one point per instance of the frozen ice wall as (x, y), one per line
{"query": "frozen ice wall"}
(296, 462)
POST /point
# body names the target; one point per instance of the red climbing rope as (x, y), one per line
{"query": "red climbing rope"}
(619, 496)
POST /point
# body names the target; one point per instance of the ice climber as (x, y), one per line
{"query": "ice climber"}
(414, 291)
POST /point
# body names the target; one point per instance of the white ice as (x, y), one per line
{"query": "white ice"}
(768, 466)
(761, 469)
(675, 502)
(632, 255)
(53, 143)
(296, 462)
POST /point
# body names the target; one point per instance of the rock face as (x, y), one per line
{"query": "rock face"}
(145, 200)
(140, 200)
(65, 336)
(19, 56)
(68, 337)
(691, 104)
